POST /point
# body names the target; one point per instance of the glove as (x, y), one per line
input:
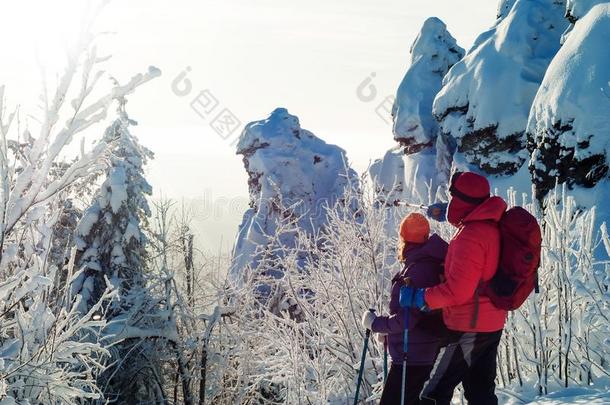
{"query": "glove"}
(367, 319)
(437, 211)
(381, 337)
(411, 297)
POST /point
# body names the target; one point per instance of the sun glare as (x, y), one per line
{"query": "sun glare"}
(43, 30)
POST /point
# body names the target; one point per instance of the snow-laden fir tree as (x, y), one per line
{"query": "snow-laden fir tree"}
(109, 238)
(486, 97)
(407, 172)
(49, 349)
(111, 253)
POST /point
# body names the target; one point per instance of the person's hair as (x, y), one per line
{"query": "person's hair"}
(402, 250)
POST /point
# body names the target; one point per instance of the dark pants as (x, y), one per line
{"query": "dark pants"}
(469, 358)
(416, 377)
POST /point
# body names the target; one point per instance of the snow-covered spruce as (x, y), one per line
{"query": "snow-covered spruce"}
(292, 175)
(111, 254)
(568, 129)
(44, 357)
(109, 240)
(407, 172)
(484, 103)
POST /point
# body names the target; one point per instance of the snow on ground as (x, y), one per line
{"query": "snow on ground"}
(575, 395)
(571, 395)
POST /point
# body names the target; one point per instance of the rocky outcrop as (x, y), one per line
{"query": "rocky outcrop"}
(568, 129)
(484, 104)
(407, 172)
(292, 175)
(433, 52)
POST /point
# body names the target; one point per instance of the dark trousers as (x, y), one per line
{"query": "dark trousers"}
(416, 378)
(469, 358)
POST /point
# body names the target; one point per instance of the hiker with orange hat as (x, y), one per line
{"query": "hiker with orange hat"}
(422, 257)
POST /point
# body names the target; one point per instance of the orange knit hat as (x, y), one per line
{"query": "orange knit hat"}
(414, 228)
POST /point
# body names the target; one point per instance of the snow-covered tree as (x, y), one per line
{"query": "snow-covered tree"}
(109, 238)
(111, 253)
(486, 97)
(559, 337)
(49, 350)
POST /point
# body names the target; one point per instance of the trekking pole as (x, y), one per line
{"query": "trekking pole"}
(406, 204)
(405, 349)
(436, 211)
(362, 358)
(385, 359)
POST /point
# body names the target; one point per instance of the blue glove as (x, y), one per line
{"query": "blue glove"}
(411, 297)
(437, 212)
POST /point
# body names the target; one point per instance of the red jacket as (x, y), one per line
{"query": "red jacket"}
(472, 257)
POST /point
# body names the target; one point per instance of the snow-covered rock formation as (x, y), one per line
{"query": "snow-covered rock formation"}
(569, 126)
(484, 103)
(433, 52)
(576, 9)
(292, 175)
(504, 7)
(407, 172)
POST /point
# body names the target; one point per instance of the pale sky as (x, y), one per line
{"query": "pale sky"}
(251, 56)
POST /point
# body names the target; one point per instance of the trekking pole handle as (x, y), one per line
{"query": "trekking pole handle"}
(368, 331)
(362, 359)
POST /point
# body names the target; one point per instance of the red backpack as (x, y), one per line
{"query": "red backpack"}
(517, 274)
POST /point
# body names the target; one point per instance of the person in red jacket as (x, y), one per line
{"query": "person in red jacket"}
(475, 324)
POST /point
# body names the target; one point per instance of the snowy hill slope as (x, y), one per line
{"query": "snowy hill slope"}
(485, 101)
(569, 127)
(291, 173)
(407, 172)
